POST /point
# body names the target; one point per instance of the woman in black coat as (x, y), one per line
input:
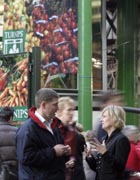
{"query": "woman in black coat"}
(110, 159)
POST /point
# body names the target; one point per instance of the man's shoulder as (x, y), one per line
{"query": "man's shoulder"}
(8, 127)
(26, 124)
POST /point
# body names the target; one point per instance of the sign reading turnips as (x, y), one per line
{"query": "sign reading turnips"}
(13, 41)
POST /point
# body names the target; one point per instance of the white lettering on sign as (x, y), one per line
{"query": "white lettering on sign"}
(21, 113)
(13, 34)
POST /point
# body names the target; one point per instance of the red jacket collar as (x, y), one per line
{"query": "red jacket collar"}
(56, 123)
(32, 115)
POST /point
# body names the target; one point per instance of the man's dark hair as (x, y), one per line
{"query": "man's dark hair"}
(45, 94)
(6, 112)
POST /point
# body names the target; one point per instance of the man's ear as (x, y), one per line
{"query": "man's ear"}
(43, 104)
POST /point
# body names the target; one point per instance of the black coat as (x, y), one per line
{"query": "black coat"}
(36, 155)
(111, 165)
(8, 158)
(78, 171)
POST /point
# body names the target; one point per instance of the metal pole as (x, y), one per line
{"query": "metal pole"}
(104, 47)
(35, 72)
(85, 63)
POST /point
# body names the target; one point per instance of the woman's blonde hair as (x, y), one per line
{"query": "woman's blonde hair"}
(62, 101)
(117, 114)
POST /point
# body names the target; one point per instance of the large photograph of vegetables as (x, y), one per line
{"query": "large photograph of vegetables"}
(13, 81)
(52, 25)
(55, 25)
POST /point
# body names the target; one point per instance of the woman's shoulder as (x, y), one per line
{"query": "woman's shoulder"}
(119, 137)
(123, 139)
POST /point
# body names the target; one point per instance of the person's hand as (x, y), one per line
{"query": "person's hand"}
(61, 150)
(95, 144)
(67, 150)
(88, 150)
(70, 163)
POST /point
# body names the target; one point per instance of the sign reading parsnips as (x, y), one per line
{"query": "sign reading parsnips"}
(13, 41)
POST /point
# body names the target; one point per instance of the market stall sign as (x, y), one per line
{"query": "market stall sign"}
(20, 113)
(13, 41)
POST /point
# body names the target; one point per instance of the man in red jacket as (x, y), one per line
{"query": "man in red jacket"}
(40, 149)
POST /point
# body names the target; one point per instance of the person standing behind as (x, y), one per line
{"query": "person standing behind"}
(89, 136)
(40, 149)
(138, 146)
(132, 165)
(78, 172)
(8, 159)
(65, 113)
(111, 157)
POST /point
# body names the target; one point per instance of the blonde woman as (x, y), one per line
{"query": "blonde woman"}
(69, 130)
(111, 157)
